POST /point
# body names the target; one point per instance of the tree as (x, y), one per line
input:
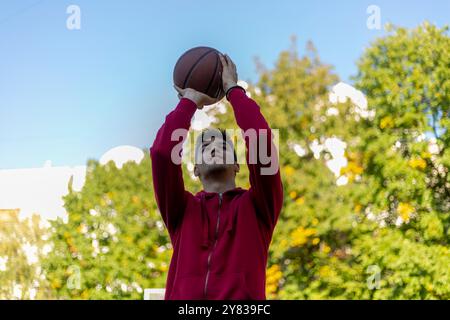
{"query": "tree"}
(22, 244)
(384, 235)
(114, 244)
(294, 98)
(404, 193)
(376, 229)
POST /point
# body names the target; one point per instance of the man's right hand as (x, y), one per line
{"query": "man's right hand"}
(200, 99)
(229, 72)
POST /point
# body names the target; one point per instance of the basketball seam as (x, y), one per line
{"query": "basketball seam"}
(195, 65)
(213, 76)
(180, 59)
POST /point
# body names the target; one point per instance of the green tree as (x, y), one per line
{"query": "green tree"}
(294, 98)
(114, 244)
(21, 246)
(404, 193)
(380, 233)
(390, 221)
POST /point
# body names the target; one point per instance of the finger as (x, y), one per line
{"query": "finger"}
(231, 63)
(222, 60)
(213, 100)
(227, 58)
(179, 90)
(207, 100)
(191, 90)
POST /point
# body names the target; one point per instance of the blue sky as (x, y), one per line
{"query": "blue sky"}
(67, 96)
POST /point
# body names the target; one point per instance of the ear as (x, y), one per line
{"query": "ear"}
(196, 171)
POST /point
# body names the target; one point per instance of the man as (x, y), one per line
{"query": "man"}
(221, 235)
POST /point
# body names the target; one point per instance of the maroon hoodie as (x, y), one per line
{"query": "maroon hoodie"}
(220, 241)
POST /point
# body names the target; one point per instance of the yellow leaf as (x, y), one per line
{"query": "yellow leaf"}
(425, 155)
(352, 169)
(417, 163)
(386, 122)
(405, 210)
(300, 236)
(289, 171)
(283, 244)
(85, 295)
(273, 276)
(135, 199)
(310, 232)
(300, 201)
(56, 284)
(163, 267)
(325, 248)
(325, 271)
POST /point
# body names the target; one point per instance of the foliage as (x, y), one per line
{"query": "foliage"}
(21, 245)
(114, 244)
(377, 229)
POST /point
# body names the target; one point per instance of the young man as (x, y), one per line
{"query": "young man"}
(221, 235)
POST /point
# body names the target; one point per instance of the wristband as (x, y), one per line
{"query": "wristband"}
(228, 91)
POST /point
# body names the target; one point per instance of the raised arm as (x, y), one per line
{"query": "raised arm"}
(167, 175)
(168, 184)
(265, 182)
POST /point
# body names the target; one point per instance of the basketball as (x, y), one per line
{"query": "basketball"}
(200, 69)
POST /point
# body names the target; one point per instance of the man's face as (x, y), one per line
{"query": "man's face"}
(214, 154)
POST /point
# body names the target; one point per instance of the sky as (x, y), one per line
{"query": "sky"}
(71, 95)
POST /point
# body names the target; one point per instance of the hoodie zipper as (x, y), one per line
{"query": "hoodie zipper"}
(205, 290)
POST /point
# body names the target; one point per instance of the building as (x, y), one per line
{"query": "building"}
(41, 190)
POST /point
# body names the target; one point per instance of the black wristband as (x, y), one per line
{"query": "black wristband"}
(228, 91)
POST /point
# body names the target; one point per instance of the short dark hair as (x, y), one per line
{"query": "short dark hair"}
(225, 137)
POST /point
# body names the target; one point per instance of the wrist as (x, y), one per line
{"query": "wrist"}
(227, 93)
(192, 98)
(228, 86)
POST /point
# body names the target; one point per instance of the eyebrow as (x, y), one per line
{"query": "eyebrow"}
(206, 143)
